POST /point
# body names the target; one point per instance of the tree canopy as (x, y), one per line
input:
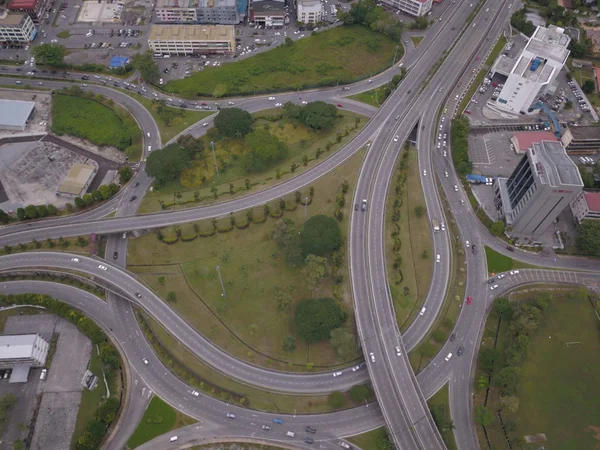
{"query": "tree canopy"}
(320, 235)
(588, 241)
(193, 146)
(265, 149)
(315, 318)
(318, 115)
(50, 54)
(233, 122)
(366, 12)
(286, 237)
(147, 66)
(166, 165)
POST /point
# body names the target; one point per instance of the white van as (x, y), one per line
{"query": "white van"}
(149, 148)
(89, 34)
(43, 374)
(290, 434)
(166, 56)
(173, 439)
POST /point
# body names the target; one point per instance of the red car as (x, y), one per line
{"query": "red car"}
(469, 300)
(467, 111)
(477, 58)
(203, 104)
(340, 105)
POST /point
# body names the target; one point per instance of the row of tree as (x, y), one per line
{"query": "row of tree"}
(104, 192)
(459, 138)
(588, 241)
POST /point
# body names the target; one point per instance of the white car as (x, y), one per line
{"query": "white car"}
(424, 173)
(231, 415)
(493, 287)
(148, 134)
(231, 103)
(396, 138)
(514, 272)
(437, 258)
(101, 267)
(271, 99)
(423, 309)
(355, 368)
(205, 124)
(398, 352)
(370, 81)
(467, 243)
(278, 105)
(445, 154)
(75, 259)
(195, 393)
(145, 361)
(502, 275)
(336, 374)
(304, 102)
(455, 188)
(372, 356)
(447, 358)
(446, 173)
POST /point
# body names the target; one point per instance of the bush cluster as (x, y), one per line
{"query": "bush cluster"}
(398, 200)
(459, 138)
(104, 192)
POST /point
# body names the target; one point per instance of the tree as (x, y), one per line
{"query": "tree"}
(588, 241)
(21, 213)
(510, 403)
(172, 297)
(315, 318)
(233, 122)
(265, 149)
(502, 306)
(166, 165)
(344, 343)
(497, 228)
(508, 379)
(483, 416)
(104, 192)
(31, 212)
(79, 202)
(359, 393)
(50, 54)
(487, 356)
(43, 211)
(289, 344)
(318, 115)
(52, 210)
(315, 270)
(285, 235)
(148, 68)
(194, 147)
(125, 174)
(336, 400)
(109, 355)
(320, 235)
(4, 217)
(419, 211)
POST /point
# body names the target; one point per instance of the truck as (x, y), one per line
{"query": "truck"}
(436, 225)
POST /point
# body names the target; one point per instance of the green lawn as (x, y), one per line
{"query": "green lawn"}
(63, 34)
(415, 238)
(180, 123)
(337, 56)
(440, 402)
(498, 262)
(301, 141)
(186, 366)
(495, 51)
(248, 324)
(159, 418)
(416, 40)
(99, 121)
(368, 440)
(374, 97)
(559, 387)
(90, 400)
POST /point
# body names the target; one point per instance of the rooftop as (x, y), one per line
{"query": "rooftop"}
(553, 166)
(549, 43)
(216, 3)
(191, 33)
(176, 3)
(76, 178)
(585, 133)
(14, 19)
(526, 139)
(14, 113)
(268, 6)
(23, 4)
(593, 200)
(17, 346)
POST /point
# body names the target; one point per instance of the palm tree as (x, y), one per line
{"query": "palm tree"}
(449, 426)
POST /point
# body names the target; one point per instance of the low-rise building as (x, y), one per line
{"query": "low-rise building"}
(15, 114)
(176, 11)
(268, 13)
(77, 181)
(415, 8)
(581, 140)
(309, 11)
(223, 12)
(23, 349)
(586, 206)
(16, 28)
(36, 9)
(192, 39)
(524, 140)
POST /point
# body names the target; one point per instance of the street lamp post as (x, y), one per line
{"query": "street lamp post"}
(222, 285)
(305, 205)
(212, 146)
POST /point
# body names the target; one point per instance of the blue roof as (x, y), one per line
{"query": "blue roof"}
(118, 61)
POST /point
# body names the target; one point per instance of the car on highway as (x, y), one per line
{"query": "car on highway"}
(278, 105)
(115, 255)
(339, 105)
(231, 103)
(437, 258)
(396, 138)
(125, 235)
(133, 198)
(491, 280)
(75, 259)
(446, 173)
(278, 421)
(308, 440)
(467, 243)
(310, 429)
(448, 356)
(474, 249)
(138, 295)
(423, 309)
(424, 173)
(344, 445)
(205, 124)
(372, 356)
(101, 267)
(493, 287)
(455, 188)
(469, 300)
(195, 393)
(364, 204)
(230, 415)
(453, 336)
(460, 351)
(514, 272)
(336, 374)
(509, 248)
(271, 99)
(145, 360)
(355, 368)
(398, 352)
(304, 102)
(266, 427)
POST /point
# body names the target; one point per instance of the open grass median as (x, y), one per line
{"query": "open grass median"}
(371, 440)
(408, 239)
(497, 262)
(548, 394)
(439, 405)
(262, 287)
(336, 56)
(159, 418)
(416, 40)
(374, 97)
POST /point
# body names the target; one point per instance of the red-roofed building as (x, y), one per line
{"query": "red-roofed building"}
(586, 206)
(36, 9)
(524, 140)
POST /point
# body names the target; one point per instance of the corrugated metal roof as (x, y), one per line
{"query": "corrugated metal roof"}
(14, 113)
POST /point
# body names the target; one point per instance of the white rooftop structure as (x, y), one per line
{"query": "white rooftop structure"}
(534, 70)
(29, 349)
(14, 114)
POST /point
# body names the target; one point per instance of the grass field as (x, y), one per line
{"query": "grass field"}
(336, 56)
(416, 40)
(441, 401)
(248, 323)
(184, 363)
(301, 141)
(374, 97)
(559, 383)
(415, 237)
(168, 132)
(159, 418)
(368, 440)
(97, 122)
(498, 262)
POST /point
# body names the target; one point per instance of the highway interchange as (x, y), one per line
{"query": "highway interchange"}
(401, 395)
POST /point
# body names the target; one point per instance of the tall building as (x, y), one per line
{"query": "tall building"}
(176, 11)
(222, 12)
(192, 39)
(534, 70)
(586, 206)
(582, 140)
(542, 185)
(36, 9)
(24, 349)
(309, 11)
(415, 8)
(16, 28)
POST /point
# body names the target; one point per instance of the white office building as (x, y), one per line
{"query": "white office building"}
(309, 11)
(16, 28)
(534, 71)
(542, 185)
(415, 8)
(23, 349)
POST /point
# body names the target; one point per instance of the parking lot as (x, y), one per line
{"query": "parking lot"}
(491, 153)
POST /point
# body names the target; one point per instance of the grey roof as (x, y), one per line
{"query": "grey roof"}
(554, 166)
(549, 43)
(15, 113)
(585, 133)
(19, 374)
(17, 346)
